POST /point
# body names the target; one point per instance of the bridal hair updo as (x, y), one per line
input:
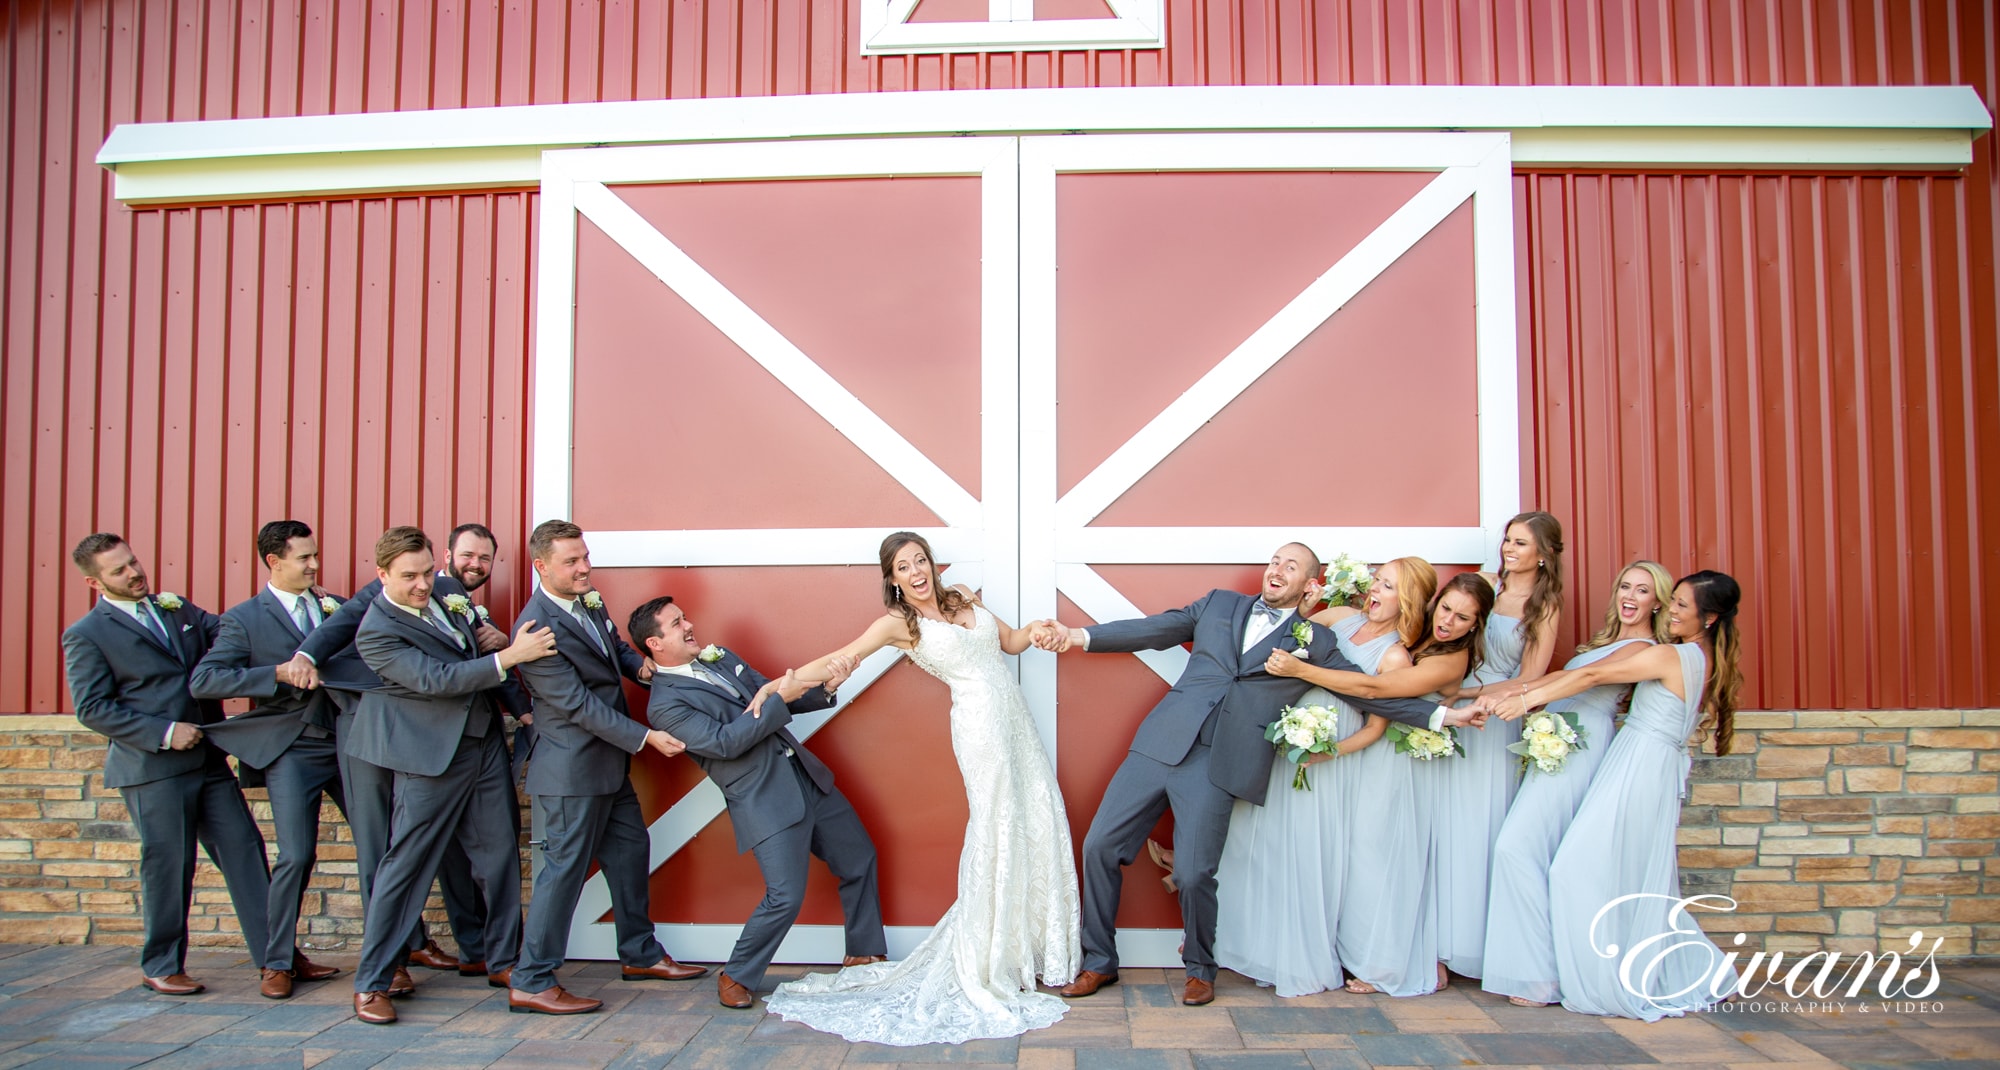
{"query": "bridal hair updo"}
(949, 601)
(1716, 593)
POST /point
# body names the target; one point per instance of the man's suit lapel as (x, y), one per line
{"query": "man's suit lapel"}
(1260, 651)
(559, 618)
(425, 633)
(271, 605)
(121, 619)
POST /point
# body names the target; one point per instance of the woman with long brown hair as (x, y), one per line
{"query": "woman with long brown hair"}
(1384, 934)
(1017, 912)
(1614, 886)
(1477, 789)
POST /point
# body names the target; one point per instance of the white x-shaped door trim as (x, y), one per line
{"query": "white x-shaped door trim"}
(1021, 542)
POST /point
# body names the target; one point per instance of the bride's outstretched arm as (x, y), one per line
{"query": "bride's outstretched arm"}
(887, 630)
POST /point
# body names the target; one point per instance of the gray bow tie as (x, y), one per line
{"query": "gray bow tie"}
(1262, 610)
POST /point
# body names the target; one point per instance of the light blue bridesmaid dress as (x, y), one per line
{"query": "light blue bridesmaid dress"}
(1622, 844)
(1386, 934)
(1520, 952)
(1471, 794)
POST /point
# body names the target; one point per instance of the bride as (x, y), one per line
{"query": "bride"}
(1016, 914)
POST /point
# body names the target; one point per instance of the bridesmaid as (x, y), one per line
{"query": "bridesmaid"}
(1474, 792)
(1281, 880)
(1520, 954)
(1384, 936)
(1622, 841)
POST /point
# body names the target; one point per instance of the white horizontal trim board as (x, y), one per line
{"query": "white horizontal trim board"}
(1927, 127)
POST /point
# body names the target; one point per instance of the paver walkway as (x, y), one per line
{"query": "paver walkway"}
(79, 1007)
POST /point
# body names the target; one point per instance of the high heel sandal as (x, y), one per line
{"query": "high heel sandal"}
(1164, 859)
(1523, 1001)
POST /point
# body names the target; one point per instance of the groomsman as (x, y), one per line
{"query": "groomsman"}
(288, 735)
(781, 797)
(580, 779)
(435, 722)
(368, 787)
(127, 663)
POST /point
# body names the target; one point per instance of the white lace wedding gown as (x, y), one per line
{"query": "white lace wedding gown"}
(1016, 915)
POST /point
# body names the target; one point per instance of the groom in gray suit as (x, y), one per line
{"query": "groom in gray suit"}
(1202, 748)
(580, 779)
(781, 798)
(127, 663)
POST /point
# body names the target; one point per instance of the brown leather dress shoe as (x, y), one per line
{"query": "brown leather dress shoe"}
(401, 983)
(862, 960)
(664, 970)
(503, 979)
(305, 969)
(175, 984)
(374, 1008)
(277, 984)
(1198, 992)
(1087, 982)
(731, 993)
(472, 969)
(432, 957)
(552, 1000)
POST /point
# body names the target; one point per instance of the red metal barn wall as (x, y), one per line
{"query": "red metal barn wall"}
(1793, 377)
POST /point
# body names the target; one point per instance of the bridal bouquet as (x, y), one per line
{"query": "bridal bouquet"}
(1425, 745)
(1547, 740)
(1303, 730)
(1345, 579)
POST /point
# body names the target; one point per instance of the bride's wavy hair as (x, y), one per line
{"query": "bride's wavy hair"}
(949, 601)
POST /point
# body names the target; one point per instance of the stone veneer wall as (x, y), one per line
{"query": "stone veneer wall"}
(1832, 830)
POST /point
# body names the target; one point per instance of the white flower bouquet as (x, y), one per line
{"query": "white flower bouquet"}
(1300, 731)
(1547, 740)
(1425, 745)
(1345, 580)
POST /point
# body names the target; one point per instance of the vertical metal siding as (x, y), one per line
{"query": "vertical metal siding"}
(1792, 377)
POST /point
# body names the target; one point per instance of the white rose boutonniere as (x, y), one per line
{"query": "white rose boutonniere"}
(484, 617)
(710, 654)
(458, 603)
(593, 600)
(168, 601)
(1302, 634)
(327, 604)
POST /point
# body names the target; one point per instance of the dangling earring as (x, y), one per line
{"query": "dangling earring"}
(899, 592)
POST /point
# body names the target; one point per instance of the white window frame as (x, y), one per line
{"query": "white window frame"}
(1010, 26)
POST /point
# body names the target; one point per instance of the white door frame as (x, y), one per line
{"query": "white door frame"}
(1021, 542)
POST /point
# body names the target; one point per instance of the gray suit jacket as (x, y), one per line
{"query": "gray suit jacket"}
(585, 734)
(128, 688)
(1223, 678)
(744, 755)
(341, 670)
(433, 692)
(256, 637)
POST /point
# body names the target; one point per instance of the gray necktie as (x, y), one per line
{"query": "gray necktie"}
(710, 676)
(590, 626)
(150, 617)
(445, 626)
(302, 614)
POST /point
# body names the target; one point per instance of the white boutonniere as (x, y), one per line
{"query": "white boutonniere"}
(167, 600)
(1302, 634)
(484, 617)
(593, 600)
(710, 654)
(458, 603)
(327, 603)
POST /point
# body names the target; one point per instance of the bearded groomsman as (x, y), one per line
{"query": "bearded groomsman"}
(127, 662)
(288, 734)
(436, 723)
(580, 779)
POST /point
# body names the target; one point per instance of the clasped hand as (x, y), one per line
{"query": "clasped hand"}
(1050, 635)
(299, 672)
(790, 686)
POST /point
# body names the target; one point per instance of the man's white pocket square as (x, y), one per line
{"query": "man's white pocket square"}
(739, 670)
(187, 627)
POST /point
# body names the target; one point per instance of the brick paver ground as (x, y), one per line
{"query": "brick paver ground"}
(75, 1006)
